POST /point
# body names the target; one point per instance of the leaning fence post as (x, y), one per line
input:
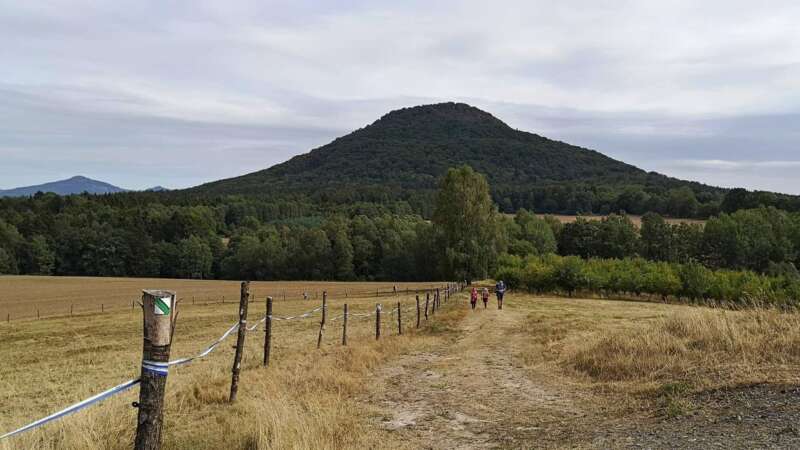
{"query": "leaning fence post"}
(427, 299)
(322, 321)
(268, 331)
(159, 312)
(417, 311)
(344, 326)
(377, 321)
(244, 298)
(399, 320)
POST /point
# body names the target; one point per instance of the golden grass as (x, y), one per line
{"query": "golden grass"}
(21, 296)
(308, 398)
(701, 346)
(616, 348)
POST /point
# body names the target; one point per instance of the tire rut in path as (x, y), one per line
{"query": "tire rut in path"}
(471, 393)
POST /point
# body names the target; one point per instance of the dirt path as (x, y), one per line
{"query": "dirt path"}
(469, 395)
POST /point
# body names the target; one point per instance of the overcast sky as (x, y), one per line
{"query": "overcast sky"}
(141, 93)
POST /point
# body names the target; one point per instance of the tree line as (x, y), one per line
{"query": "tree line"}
(638, 277)
(241, 237)
(263, 238)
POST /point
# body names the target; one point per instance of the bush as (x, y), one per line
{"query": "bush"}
(571, 274)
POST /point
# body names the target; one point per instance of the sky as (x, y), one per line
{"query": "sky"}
(140, 93)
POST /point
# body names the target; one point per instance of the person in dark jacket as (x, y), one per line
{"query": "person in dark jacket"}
(500, 291)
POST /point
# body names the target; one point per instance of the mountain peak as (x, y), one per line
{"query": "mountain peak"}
(404, 153)
(438, 120)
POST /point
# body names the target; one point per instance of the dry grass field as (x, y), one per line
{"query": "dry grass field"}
(21, 296)
(543, 372)
(637, 220)
(307, 399)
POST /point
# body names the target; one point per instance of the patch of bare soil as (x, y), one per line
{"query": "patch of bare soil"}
(474, 393)
(758, 416)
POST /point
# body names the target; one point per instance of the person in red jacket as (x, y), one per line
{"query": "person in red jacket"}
(485, 297)
(473, 297)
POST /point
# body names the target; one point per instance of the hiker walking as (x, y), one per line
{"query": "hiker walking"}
(500, 290)
(473, 297)
(485, 297)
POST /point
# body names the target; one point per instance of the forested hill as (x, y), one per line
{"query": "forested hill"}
(402, 155)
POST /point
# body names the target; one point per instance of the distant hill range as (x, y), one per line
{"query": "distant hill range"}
(74, 185)
(401, 157)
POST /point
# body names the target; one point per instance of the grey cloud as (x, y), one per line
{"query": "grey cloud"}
(206, 90)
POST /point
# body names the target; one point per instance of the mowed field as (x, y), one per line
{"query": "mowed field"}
(22, 296)
(637, 220)
(548, 373)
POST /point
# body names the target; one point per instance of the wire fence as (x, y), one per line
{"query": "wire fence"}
(162, 368)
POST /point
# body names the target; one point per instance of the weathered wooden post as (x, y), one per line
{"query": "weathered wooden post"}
(158, 309)
(417, 311)
(268, 332)
(377, 321)
(399, 320)
(322, 321)
(244, 298)
(427, 299)
(344, 326)
(37, 314)
(102, 308)
(438, 299)
(71, 307)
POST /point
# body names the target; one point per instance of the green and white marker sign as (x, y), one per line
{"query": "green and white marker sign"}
(163, 305)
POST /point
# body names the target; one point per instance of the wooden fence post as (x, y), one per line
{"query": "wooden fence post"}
(417, 311)
(438, 299)
(344, 326)
(71, 307)
(159, 313)
(427, 298)
(244, 298)
(102, 308)
(37, 314)
(268, 332)
(399, 320)
(322, 321)
(377, 321)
